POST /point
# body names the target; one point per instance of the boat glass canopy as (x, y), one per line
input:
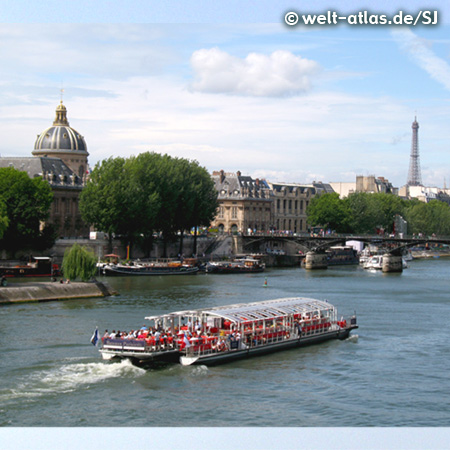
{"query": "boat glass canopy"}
(265, 310)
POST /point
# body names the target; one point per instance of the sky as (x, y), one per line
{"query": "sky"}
(229, 84)
(284, 103)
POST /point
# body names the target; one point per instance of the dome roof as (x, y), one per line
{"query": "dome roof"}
(60, 136)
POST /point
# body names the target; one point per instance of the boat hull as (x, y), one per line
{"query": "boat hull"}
(233, 355)
(114, 271)
(144, 360)
(223, 270)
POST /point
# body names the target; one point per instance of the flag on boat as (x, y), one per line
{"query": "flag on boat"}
(186, 341)
(94, 338)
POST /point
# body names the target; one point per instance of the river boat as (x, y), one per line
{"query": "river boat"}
(376, 263)
(225, 333)
(342, 255)
(244, 265)
(37, 266)
(147, 269)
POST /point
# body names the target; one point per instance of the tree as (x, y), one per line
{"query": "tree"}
(101, 201)
(371, 211)
(330, 211)
(27, 204)
(79, 263)
(137, 196)
(4, 222)
(364, 216)
(428, 218)
(203, 200)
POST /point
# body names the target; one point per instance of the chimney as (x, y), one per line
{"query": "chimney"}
(222, 176)
(257, 182)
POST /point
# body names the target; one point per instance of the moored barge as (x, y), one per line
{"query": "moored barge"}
(37, 266)
(174, 268)
(245, 265)
(225, 333)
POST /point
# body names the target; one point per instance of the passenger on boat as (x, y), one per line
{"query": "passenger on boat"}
(221, 346)
(157, 335)
(143, 334)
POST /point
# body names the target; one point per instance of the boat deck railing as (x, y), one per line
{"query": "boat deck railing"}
(135, 345)
(224, 342)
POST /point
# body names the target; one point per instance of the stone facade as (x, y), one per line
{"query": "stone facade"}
(245, 204)
(373, 185)
(290, 203)
(252, 206)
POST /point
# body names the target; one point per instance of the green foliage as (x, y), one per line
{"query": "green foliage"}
(363, 213)
(135, 197)
(372, 211)
(27, 203)
(429, 218)
(330, 211)
(4, 221)
(79, 263)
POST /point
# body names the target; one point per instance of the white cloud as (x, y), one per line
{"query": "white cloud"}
(421, 53)
(336, 131)
(279, 74)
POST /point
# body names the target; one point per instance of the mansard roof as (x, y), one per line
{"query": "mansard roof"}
(53, 170)
(239, 187)
(292, 188)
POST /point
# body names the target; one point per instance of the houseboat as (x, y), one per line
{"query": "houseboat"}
(146, 269)
(217, 335)
(342, 255)
(37, 266)
(244, 265)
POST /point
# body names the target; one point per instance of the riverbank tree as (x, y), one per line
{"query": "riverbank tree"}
(79, 263)
(24, 206)
(135, 198)
(363, 213)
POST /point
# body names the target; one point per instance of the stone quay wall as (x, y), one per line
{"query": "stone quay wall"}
(48, 291)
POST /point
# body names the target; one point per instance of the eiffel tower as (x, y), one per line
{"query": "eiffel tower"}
(414, 175)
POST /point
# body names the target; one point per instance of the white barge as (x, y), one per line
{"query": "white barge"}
(224, 333)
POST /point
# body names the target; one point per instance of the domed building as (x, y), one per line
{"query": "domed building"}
(62, 141)
(60, 158)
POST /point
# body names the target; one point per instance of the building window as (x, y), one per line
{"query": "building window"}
(221, 211)
(234, 212)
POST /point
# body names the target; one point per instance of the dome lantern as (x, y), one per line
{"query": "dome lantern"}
(61, 115)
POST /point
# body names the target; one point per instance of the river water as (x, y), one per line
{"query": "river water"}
(392, 372)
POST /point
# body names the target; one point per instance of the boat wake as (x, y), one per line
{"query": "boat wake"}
(352, 338)
(67, 379)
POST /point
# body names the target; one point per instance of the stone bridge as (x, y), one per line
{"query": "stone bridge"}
(315, 246)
